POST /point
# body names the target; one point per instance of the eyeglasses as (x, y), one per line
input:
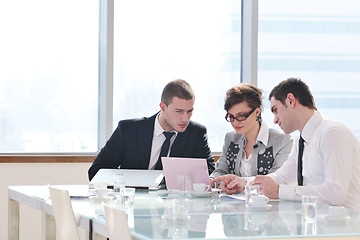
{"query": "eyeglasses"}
(239, 118)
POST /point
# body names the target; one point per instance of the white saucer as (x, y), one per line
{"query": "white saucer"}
(167, 217)
(170, 218)
(336, 220)
(104, 199)
(259, 208)
(200, 194)
(162, 193)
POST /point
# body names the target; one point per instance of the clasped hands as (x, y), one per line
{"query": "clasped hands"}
(234, 184)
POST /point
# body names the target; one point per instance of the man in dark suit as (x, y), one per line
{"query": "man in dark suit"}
(136, 143)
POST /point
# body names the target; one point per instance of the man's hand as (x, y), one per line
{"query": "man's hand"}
(230, 183)
(267, 186)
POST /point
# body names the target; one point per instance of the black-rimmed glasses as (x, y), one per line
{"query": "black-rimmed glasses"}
(239, 118)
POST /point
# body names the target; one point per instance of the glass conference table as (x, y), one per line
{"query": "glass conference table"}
(214, 216)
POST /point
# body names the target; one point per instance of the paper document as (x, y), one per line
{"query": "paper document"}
(239, 196)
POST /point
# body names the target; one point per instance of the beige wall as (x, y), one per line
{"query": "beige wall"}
(14, 174)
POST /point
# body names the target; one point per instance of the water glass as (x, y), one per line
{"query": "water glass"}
(184, 183)
(309, 208)
(308, 228)
(250, 191)
(180, 210)
(250, 224)
(119, 181)
(91, 190)
(127, 197)
(178, 231)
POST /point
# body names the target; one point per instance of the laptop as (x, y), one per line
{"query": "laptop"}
(150, 179)
(195, 168)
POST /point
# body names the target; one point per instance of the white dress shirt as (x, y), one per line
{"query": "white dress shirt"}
(157, 142)
(331, 165)
(247, 165)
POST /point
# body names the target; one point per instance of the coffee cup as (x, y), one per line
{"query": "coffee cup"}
(200, 187)
(259, 201)
(101, 189)
(337, 212)
(101, 193)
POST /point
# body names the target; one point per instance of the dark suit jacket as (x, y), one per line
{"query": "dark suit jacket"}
(129, 147)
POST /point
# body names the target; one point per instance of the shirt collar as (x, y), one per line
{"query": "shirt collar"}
(263, 135)
(310, 126)
(158, 130)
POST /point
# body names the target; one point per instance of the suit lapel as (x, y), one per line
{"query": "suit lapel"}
(145, 135)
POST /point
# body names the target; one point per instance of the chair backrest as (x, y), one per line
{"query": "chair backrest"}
(66, 227)
(117, 224)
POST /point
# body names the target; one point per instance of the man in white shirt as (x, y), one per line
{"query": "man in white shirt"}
(330, 164)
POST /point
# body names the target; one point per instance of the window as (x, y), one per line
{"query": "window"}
(159, 41)
(318, 44)
(49, 76)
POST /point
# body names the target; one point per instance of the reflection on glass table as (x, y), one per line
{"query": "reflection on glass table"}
(155, 215)
(220, 218)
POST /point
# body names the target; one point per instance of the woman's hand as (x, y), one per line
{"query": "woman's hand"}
(230, 183)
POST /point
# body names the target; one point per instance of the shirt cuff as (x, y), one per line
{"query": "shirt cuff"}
(287, 192)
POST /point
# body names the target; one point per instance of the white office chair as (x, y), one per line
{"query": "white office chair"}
(117, 224)
(66, 227)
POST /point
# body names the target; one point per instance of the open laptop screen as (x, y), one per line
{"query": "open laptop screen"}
(134, 178)
(196, 168)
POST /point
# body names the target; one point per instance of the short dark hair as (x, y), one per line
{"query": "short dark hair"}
(298, 88)
(243, 92)
(177, 88)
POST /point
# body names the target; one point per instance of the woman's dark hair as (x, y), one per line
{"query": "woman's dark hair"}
(243, 92)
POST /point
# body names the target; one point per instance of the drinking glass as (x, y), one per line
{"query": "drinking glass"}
(309, 208)
(91, 190)
(180, 210)
(119, 182)
(250, 191)
(309, 228)
(184, 183)
(127, 197)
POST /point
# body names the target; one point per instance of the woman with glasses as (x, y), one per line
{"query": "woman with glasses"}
(253, 148)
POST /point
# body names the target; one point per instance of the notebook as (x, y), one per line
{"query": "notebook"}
(196, 168)
(150, 179)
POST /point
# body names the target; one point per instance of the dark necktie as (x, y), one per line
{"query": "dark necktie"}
(301, 151)
(164, 149)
